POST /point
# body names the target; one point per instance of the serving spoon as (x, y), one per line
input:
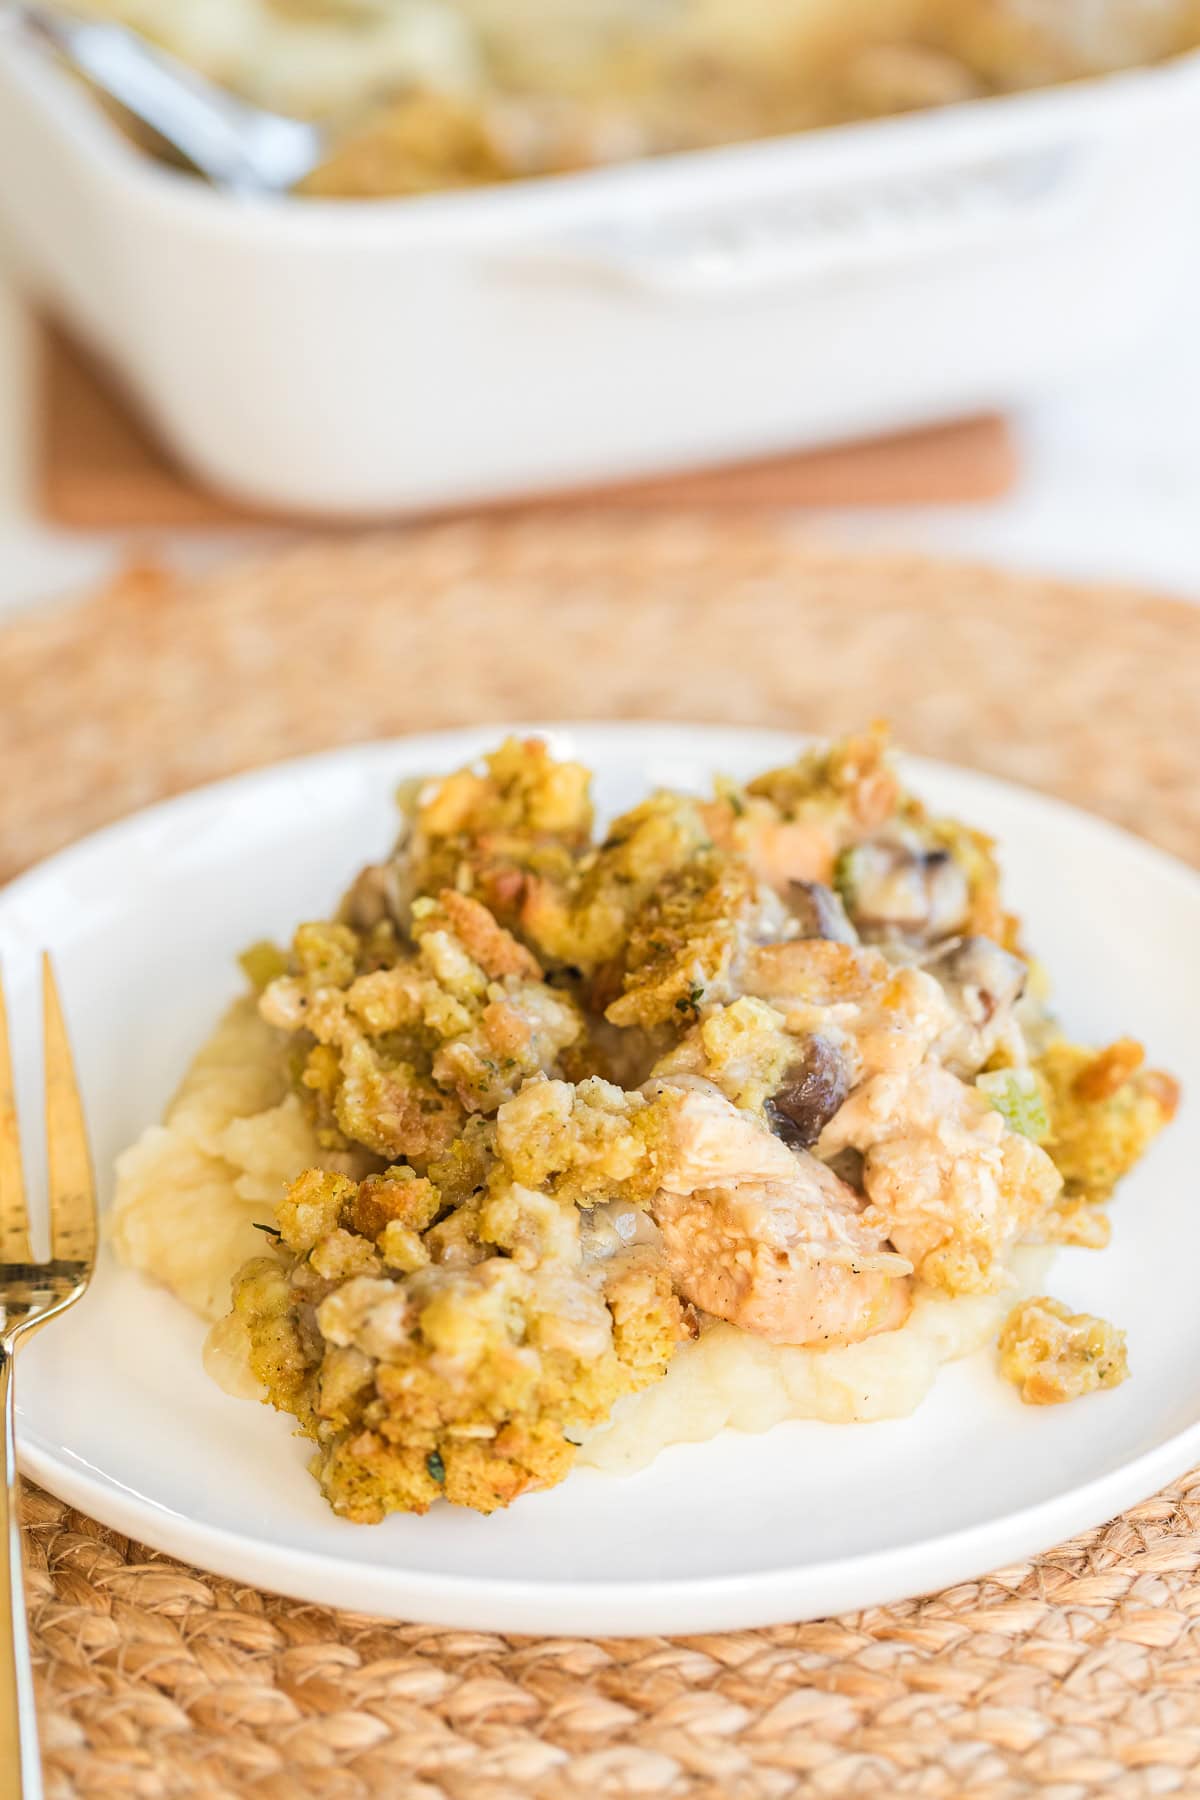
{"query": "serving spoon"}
(236, 146)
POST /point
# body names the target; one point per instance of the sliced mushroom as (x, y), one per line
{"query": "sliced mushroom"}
(980, 978)
(372, 897)
(820, 912)
(897, 891)
(812, 1090)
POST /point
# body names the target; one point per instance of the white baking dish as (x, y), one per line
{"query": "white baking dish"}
(367, 357)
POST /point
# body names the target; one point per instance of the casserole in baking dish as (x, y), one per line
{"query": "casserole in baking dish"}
(421, 95)
(356, 358)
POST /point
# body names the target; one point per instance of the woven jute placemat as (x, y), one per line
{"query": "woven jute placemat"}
(1074, 1675)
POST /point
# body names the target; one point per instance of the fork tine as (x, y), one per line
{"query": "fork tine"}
(71, 1182)
(14, 1219)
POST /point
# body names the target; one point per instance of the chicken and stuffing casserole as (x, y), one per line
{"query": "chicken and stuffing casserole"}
(434, 94)
(555, 1145)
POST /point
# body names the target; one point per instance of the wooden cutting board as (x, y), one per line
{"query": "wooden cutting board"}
(100, 466)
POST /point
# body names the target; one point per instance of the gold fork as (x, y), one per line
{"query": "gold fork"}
(30, 1294)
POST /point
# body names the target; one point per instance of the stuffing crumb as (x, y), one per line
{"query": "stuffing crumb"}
(1053, 1354)
(1106, 1108)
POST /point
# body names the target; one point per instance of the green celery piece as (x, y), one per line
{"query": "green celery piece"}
(847, 875)
(1017, 1096)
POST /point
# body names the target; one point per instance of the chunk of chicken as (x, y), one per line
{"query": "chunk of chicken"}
(761, 1235)
(790, 1260)
(753, 1232)
(960, 1009)
(882, 1018)
(778, 850)
(702, 1139)
(948, 1182)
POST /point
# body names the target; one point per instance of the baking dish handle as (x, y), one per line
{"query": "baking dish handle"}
(787, 237)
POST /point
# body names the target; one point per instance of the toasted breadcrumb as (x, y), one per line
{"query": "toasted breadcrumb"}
(460, 1377)
(399, 1040)
(1106, 1108)
(1053, 1354)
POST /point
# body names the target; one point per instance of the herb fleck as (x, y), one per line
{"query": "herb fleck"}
(436, 1467)
(690, 1002)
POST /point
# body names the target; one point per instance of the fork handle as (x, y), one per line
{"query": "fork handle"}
(18, 1719)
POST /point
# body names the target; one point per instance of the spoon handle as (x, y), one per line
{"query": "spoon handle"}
(237, 146)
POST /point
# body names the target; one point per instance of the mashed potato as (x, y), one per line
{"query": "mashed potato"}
(728, 1378)
(191, 1190)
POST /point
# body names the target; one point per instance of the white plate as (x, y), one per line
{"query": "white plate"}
(117, 1416)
